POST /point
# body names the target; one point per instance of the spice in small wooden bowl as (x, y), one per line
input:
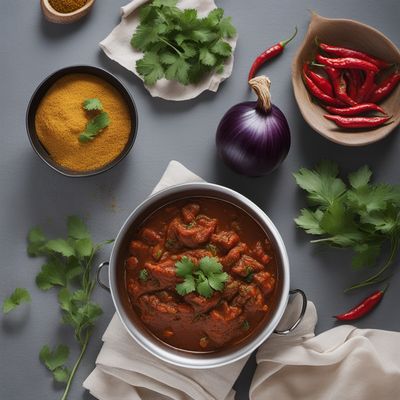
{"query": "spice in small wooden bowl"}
(65, 11)
(81, 121)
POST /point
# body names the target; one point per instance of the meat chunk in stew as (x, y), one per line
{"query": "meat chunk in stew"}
(225, 239)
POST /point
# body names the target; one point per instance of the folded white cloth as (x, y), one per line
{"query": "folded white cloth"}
(344, 363)
(124, 371)
(117, 47)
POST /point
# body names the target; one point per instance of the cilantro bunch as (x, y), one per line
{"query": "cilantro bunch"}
(361, 215)
(68, 267)
(204, 279)
(178, 45)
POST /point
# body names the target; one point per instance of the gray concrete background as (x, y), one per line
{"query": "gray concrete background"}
(32, 194)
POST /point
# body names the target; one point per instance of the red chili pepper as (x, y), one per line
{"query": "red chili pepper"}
(367, 86)
(355, 110)
(363, 308)
(347, 62)
(319, 80)
(344, 52)
(357, 122)
(385, 88)
(317, 92)
(269, 53)
(339, 86)
(352, 89)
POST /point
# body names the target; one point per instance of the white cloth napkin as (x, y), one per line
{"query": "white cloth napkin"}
(344, 363)
(117, 47)
(124, 371)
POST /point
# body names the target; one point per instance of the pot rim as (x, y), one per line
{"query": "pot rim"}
(184, 358)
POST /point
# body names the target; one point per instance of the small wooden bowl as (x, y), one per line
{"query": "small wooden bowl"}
(357, 36)
(53, 15)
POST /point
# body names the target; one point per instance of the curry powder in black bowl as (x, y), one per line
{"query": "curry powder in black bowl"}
(81, 121)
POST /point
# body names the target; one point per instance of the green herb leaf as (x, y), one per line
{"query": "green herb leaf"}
(92, 105)
(210, 265)
(360, 178)
(226, 28)
(36, 242)
(310, 221)
(164, 3)
(51, 274)
(54, 359)
(77, 228)
(184, 267)
(217, 281)
(143, 275)
(204, 289)
(207, 58)
(246, 325)
(222, 48)
(61, 374)
(187, 286)
(94, 127)
(178, 71)
(150, 68)
(19, 296)
(61, 247)
(84, 247)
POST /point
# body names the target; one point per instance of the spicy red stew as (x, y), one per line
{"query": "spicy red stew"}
(201, 274)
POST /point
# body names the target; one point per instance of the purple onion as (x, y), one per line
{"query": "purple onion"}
(253, 137)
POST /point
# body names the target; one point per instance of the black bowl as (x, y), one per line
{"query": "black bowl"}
(41, 91)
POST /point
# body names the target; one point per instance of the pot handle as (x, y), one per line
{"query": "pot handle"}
(101, 284)
(302, 312)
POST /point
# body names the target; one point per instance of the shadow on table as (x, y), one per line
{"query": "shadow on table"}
(16, 321)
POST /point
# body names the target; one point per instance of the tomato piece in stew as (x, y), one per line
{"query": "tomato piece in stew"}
(192, 230)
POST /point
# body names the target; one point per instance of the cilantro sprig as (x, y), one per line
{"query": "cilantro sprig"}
(17, 297)
(205, 278)
(359, 215)
(69, 269)
(178, 45)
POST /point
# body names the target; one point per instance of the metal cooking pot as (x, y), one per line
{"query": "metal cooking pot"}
(137, 329)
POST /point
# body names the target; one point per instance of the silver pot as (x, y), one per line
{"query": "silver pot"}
(133, 324)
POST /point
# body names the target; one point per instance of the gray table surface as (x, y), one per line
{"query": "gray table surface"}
(32, 194)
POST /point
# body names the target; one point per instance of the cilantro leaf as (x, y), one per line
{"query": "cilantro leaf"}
(54, 359)
(203, 35)
(51, 274)
(143, 275)
(187, 286)
(207, 58)
(61, 374)
(310, 221)
(77, 228)
(36, 242)
(143, 36)
(322, 184)
(94, 127)
(150, 68)
(18, 296)
(178, 71)
(92, 105)
(210, 265)
(83, 247)
(222, 48)
(184, 267)
(204, 289)
(164, 3)
(226, 28)
(360, 178)
(214, 17)
(217, 281)
(60, 246)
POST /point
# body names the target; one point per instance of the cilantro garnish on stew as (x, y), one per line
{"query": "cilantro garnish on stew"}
(205, 278)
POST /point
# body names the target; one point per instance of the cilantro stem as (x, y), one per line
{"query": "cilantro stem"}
(374, 278)
(170, 45)
(74, 369)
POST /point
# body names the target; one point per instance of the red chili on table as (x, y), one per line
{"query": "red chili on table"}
(346, 62)
(344, 52)
(363, 308)
(357, 122)
(269, 53)
(355, 110)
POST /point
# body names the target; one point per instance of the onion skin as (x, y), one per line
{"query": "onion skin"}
(251, 141)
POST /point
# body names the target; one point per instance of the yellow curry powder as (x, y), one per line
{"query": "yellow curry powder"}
(60, 118)
(67, 6)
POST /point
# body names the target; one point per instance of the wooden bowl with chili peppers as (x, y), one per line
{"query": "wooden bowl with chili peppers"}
(346, 81)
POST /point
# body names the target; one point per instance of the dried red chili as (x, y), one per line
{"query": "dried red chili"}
(319, 80)
(347, 62)
(355, 110)
(357, 122)
(317, 92)
(344, 52)
(385, 88)
(269, 53)
(363, 308)
(339, 86)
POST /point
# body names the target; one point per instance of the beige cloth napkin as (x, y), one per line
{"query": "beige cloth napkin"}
(343, 363)
(124, 371)
(117, 47)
